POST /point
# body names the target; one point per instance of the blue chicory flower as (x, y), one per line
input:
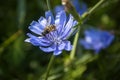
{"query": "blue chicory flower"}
(96, 39)
(80, 7)
(56, 40)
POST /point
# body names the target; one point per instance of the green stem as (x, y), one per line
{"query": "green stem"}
(48, 4)
(49, 66)
(10, 40)
(21, 13)
(92, 10)
(72, 54)
(96, 6)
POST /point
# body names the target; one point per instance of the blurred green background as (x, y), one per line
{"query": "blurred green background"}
(22, 61)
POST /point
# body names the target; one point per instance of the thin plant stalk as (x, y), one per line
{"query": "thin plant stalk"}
(92, 9)
(49, 66)
(72, 54)
(48, 4)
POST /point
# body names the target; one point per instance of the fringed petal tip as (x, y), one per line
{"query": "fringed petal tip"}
(58, 8)
(27, 40)
(57, 52)
(49, 17)
(68, 46)
(49, 49)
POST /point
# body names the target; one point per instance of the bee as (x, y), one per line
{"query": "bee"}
(48, 29)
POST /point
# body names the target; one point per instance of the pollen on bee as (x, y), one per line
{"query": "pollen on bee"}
(48, 29)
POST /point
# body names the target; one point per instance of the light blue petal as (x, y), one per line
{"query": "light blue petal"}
(61, 46)
(37, 41)
(67, 28)
(44, 39)
(57, 52)
(30, 35)
(43, 22)
(27, 40)
(58, 8)
(48, 49)
(60, 19)
(72, 31)
(35, 27)
(49, 17)
(68, 46)
(33, 40)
